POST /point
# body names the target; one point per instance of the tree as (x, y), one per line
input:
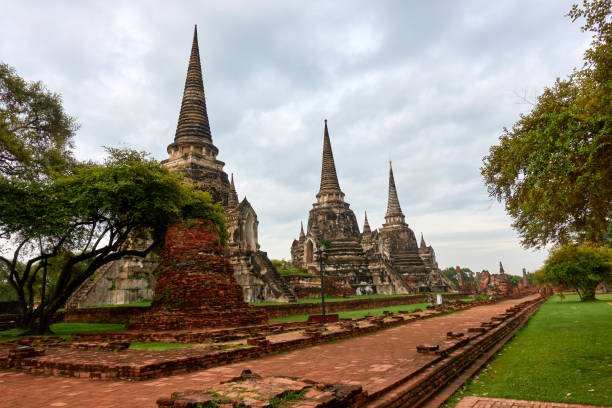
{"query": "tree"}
(578, 266)
(35, 132)
(552, 169)
(79, 222)
(451, 274)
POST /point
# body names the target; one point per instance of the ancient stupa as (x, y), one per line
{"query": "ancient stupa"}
(194, 155)
(386, 261)
(331, 222)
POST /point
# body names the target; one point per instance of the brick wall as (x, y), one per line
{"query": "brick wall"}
(291, 309)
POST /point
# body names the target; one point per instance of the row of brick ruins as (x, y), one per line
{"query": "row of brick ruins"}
(385, 261)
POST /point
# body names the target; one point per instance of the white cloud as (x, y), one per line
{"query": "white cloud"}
(428, 85)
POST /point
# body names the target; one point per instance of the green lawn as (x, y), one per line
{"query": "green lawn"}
(65, 329)
(158, 346)
(334, 299)
(144, 303)
(355, 313)
(563, 354)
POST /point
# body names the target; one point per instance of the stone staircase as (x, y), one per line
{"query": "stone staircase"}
(270, 273)
(79, 295)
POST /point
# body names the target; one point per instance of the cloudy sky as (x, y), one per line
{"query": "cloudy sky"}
(429, 85)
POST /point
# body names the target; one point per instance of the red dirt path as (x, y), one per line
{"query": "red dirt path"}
(373, 361)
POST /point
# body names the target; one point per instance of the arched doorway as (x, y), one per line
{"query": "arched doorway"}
(308, 251)
(250, 232)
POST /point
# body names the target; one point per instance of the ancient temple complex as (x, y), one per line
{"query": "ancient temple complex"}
(387, 261)
(194, 156)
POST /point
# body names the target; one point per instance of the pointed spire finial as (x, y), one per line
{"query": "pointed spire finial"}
(232, 200)
(302, 235)
(366, 224)
(329, 178)
(193, 119)
(394, 211)
(423, 245)
(501, 268)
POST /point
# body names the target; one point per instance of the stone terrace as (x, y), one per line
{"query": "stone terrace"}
(376, 362)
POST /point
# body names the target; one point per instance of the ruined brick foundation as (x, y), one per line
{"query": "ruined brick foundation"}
(196, 287)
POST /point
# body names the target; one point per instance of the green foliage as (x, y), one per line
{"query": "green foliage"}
(284, 400)
(157, 346)
(285, 269)
(552, 169)
(65, 329)
(451, 274)
(561, 355)
(87, 218)
(581, 267)
(35, 132)
(357, 313)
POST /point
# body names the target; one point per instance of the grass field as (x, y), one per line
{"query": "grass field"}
(336, 299)
(65, 329)
(355, 313)
(563, 354)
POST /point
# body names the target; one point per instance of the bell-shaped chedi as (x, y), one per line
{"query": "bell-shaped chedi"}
(398, 238)
(331, 222)
(194, 156)
(196, 286)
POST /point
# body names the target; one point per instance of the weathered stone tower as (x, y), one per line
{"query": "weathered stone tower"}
(427, 254)
(331, 221)
(400, 246)
(398, 239)
(194, 156)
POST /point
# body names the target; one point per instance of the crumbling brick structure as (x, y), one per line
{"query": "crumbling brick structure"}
(196, 287)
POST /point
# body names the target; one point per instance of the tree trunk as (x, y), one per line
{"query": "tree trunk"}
(587, 294)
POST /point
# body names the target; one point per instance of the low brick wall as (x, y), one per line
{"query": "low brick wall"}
(121, 315)
(292, 309)
(117, 315)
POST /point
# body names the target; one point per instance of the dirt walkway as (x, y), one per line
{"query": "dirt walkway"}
(373, 361)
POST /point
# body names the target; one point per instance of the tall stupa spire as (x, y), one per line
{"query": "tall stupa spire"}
(329, 178)
(193, 119)
(423, 245)
(394, 211)
(302, 235)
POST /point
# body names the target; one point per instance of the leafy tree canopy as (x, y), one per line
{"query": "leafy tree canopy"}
(578, 266)
(65, 218)
(35, 132)
(552, 169)
(451, 274)
(84, 220)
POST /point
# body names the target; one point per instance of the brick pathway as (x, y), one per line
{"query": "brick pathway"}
(482, 402)
(373, 361)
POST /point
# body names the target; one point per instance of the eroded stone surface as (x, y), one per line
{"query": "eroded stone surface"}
(252, 390)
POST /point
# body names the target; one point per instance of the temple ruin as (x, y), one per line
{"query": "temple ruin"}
(386, 261)
(194, 156)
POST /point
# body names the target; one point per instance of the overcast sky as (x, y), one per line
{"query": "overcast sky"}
(429, 85)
